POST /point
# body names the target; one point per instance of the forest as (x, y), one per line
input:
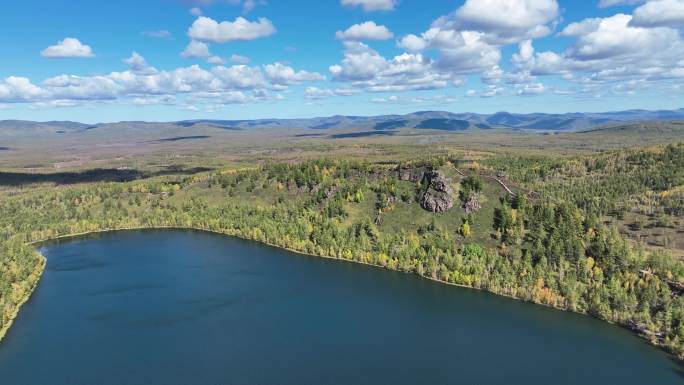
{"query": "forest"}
(570, 232)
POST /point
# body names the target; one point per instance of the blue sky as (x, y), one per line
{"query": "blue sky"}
(164, 60)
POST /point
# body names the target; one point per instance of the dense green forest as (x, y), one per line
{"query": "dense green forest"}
(540, 229)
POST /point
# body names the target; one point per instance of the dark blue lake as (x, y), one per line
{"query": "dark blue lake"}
(177, 307)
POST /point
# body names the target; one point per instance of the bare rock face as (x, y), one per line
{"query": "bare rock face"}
(437, 197)
(412, 174)
(438, 182)
(436, 201)
(472, 206)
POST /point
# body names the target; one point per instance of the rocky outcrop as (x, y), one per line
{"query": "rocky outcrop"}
(472, 205)
(412, 174)
(437, 198)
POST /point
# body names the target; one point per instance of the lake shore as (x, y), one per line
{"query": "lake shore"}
(41, 268)
(36, 275)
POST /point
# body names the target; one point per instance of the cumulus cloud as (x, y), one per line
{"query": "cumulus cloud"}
(239, 77)
(69, 47)
(365, 68)
(660, 13)
(15, 89)
(614, 37)
(144, 84)
(489, 91)
(239, 59)
(492, 76)
(461, 51)
(503, 21)
(635, 50)
(315, 93)
(438, 100)
(283, 75)
(391, 99)
(371, 5)
(216, 60)
(492, 91)
(200, 50)
(412, 43)
(531, 89)
(196, 49)
(138, 65)
(206, 29)
(466, 52)
(608, 55)
(365, 31)
(469, 40)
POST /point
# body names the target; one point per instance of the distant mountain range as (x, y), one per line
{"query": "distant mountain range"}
(435, 120)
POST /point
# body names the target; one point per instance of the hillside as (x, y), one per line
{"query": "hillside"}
(430, 120)
(593, 234)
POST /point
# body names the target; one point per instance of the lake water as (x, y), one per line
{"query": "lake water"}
(183, 307)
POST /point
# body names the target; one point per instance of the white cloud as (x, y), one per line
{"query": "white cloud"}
(660, 13)
(469, 39)
(608, 56)
(365, 31)
(365, 68)
(492, 91)
(18, 89)
(435, 100)
(461, 51)
(154, 100)
(371, 5)
(69, 47)
(138, 64)
(200, 50)
(209, 30)
(280, 74)
(466, 52)
(240, 77)
(196, 11)
(525, 55)
(239, 59)
(315, 93)
(492, 76)
(638, 51)
(412, 43)
(613, 37)
(489, 91)
(196, 49)
(391, 99)
(531, 89)
(216, 60)
(142, 83)
(503, 21)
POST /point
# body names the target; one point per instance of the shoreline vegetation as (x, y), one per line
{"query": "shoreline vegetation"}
(40, 270)
(33, 284)
(555, 249)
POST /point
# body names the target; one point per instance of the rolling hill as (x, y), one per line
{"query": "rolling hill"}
(435, 120)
